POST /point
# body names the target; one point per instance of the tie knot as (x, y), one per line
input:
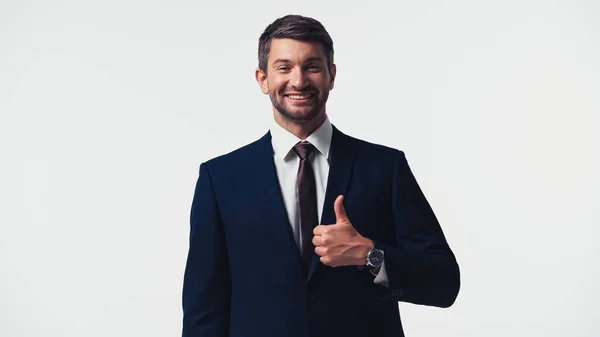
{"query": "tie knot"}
(303, 149)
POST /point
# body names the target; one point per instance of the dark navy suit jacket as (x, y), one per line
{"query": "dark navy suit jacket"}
(244, 275)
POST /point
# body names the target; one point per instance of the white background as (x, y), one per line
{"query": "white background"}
(107, 109)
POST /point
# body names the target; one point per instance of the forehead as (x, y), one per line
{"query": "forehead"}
(295, 50)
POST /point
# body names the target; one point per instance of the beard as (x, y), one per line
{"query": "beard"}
(288, 112)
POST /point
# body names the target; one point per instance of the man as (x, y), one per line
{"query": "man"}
(308, 231)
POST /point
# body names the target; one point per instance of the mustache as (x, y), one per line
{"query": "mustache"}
(303, 91)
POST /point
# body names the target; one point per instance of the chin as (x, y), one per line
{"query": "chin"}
(301, 115)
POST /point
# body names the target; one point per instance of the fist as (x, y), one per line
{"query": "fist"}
(340, 244)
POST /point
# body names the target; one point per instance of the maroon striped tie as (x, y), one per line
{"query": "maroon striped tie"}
(307, 201)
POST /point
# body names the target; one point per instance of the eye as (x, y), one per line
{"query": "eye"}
(283, 68)
(314, 67)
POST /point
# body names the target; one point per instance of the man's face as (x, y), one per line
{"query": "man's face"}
(297, 79)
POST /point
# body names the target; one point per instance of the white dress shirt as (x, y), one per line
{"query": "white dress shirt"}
(287, 164)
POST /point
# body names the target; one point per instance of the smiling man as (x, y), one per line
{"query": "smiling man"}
(297, 77)
(308, 231)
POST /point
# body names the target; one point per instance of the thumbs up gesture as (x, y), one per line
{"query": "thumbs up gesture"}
(340, 244)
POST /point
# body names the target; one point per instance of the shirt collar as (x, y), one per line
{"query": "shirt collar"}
(283, 141)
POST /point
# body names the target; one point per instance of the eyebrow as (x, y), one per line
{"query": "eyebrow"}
(310, 59)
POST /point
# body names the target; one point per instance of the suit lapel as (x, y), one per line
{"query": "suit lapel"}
(342, 154)
(274, 207)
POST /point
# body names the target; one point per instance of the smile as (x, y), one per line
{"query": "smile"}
(300, 96)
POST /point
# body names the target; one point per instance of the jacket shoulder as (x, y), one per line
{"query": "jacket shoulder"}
(371, 149)
(236, 158)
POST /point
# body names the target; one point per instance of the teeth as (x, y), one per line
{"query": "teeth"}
(299, 96)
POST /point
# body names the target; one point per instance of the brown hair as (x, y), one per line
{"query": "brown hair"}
(295, 27)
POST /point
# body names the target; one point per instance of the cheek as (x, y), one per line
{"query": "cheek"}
(276, 84)
(321, 81)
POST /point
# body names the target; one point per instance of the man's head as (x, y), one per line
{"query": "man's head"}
(295, 67)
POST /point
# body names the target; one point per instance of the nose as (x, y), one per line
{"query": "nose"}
(298, 80)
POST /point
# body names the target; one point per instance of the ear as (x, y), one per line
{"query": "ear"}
(261, 79)
(332, 73)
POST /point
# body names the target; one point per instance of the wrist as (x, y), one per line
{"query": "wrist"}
(367, 245)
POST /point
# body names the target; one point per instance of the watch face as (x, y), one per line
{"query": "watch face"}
(375, 258)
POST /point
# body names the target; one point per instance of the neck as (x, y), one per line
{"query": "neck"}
(300, 129)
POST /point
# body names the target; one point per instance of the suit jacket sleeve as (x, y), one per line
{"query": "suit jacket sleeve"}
(207, 281)
(420, 266)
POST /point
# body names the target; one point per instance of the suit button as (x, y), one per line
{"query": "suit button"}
(397, 292)
(310, 299)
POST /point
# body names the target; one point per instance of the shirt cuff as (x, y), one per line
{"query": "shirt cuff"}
(381, 277)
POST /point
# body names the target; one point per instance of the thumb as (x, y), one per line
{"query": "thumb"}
(340, 212)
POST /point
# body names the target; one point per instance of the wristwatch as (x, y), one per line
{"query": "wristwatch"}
(375, 258)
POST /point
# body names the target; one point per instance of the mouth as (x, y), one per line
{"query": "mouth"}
(300, 97)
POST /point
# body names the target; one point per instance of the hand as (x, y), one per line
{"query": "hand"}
(340, 244)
